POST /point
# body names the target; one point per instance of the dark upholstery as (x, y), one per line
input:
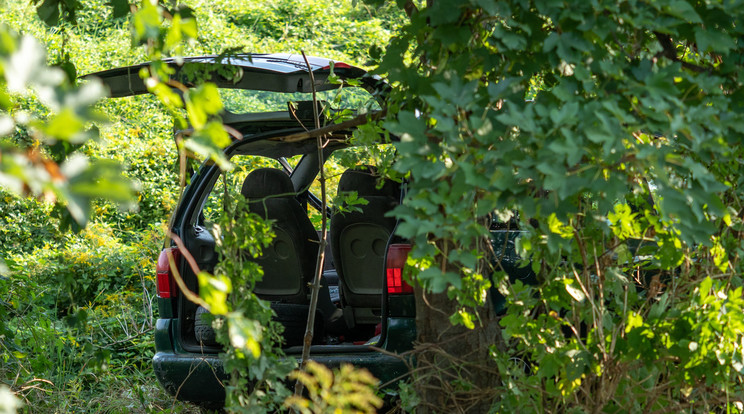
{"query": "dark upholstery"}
(289, 262)
(359, 240)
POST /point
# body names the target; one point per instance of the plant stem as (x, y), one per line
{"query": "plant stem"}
(315, 288)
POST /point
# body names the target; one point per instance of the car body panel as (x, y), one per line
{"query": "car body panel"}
(190, 377)
(196, 377)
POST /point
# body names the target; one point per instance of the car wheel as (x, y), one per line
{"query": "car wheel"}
(203, 330)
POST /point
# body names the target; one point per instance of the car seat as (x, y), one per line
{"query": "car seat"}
(359, 240)
(289, 261)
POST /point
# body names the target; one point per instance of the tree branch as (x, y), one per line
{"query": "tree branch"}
(670, 53)
(356, 121)
(410, 8)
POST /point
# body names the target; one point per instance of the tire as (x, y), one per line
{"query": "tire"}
(203, 331)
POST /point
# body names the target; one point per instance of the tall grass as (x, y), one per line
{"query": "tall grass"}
(77, 308)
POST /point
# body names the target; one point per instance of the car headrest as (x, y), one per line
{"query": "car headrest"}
(265, 182)
(364, 179)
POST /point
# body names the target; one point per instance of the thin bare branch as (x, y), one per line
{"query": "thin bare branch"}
(315, 289)
(177, 275)
(319, 132)
(410, 8)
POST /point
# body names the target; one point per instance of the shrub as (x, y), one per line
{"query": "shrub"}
(25, 224)
(87, 267)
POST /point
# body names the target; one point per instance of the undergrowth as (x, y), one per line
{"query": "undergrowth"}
(78, 305)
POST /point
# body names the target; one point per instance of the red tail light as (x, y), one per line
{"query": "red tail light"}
(166, 282)
(396, 259)
(338, 65)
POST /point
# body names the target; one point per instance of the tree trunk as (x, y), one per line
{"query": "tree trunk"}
(455, 373)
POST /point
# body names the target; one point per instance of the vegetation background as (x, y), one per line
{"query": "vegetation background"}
(78, 306)
(609, 132)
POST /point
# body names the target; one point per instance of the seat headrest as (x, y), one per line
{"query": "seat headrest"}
(364, 179)
(265, 182)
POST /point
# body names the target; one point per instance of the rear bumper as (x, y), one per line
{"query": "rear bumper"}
(190, 377)
(201, 378)
(185, 375)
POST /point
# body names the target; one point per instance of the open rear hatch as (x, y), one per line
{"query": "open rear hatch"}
(275, 131)
(280, 73)
(285, 73)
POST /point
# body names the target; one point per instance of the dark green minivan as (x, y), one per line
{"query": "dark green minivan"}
(366, 312)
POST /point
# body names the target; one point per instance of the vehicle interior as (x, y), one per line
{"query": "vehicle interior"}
(278, 181)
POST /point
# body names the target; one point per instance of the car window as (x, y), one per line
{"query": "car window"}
(242, 101)
(213, 205)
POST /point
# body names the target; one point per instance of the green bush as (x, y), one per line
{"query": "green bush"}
(338, 29)
(148, 153)
(77, 309)
(86, 268)
(25, 224)
(78, 322)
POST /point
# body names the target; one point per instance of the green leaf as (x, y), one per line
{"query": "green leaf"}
(49, 12)
(437, 281)
(598, 135)
(510, 39)
(658, 308)
(166, 95)
(624, 223)
(213, 289)
(65, 126)
(444, 11)
(683, 10)
(209, 143)
(574, 290)
(8, 401)
(202, 102)
(408, 126)
(182, 28)
(348, 202)
(462, 317)
(670, 252)
(713, 41)
(245, 334)
(146, 23)
(720, 257)
(623, 254)
(492, 7)
(120, 8)
(556, 226)
(705, 288)
(634, 320)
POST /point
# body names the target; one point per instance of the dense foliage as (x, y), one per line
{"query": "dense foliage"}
(607, 133)
(610, 134)
(77, 309)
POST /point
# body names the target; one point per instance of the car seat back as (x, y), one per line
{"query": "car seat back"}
(359, 240)
(289, 261)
